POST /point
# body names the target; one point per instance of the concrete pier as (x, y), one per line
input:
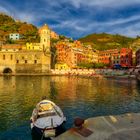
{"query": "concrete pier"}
(119, 127)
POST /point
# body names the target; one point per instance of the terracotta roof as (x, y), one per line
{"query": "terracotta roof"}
(11, 46)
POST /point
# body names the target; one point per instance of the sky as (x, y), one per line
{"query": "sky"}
(78, 18)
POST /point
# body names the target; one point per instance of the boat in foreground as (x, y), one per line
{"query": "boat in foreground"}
(47, 119)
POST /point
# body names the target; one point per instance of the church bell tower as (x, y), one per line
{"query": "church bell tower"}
(45, 34)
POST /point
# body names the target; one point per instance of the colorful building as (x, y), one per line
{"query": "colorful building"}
(60, 66)
(109, 57)
(33, 46)
(138, 57)
(22, 59)
(90, 54)
(63, 53)
(75, 53)
(126, 57)
(77, 56)
(54, 35)
(113, 57)
(70, 53)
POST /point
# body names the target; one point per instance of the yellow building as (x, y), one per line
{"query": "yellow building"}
(61, 66)
(34, 58)
(90, 55)
(33, 46)
(24, 62)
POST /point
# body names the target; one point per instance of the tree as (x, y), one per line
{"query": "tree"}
(85, 65)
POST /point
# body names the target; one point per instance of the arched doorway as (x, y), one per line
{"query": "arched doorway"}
(7, 71)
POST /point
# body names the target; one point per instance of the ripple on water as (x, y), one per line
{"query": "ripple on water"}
(76, 96)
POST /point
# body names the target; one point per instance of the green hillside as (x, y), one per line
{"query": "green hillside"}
(8, 25)
(105, 41)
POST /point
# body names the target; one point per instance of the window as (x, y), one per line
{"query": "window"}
(25, 61)
(35, 61)
(3, 57)
(11, 56)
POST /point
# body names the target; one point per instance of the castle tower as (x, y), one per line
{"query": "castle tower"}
(45, 34)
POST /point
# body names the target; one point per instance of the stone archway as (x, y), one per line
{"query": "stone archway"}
(7, 71)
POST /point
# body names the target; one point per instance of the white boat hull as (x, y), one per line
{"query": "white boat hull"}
(47, 121)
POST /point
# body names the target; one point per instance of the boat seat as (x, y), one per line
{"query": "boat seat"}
(45, 107)
(46, 114)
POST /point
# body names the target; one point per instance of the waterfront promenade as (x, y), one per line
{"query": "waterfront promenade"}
(120, 127)
(100, 73)
(92, 73)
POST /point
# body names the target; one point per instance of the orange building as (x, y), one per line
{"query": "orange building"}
(113, 57)
(126, 57)
(70, 53)
(54, 35)
(109, 57)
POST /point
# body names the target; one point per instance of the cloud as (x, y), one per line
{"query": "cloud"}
(91, 3)
(75, 18)
(102, 3)
(84, 27)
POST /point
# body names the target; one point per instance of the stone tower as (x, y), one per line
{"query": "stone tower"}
(45, 34)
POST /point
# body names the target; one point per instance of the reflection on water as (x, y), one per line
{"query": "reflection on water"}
(76, 96)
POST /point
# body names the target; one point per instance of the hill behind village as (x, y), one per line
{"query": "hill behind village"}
(104, 41)
(8, 25)
(29, 33)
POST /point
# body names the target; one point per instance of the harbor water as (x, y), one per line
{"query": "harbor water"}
(77, 97)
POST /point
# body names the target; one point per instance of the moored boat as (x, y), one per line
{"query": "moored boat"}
(47, 119)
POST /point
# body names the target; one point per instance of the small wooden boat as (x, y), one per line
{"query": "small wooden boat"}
(47, 119)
